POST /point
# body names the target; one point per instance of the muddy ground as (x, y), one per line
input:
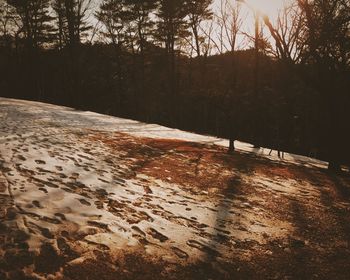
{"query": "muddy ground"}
(82, 196)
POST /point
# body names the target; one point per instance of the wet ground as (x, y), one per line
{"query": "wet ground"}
(87, 196)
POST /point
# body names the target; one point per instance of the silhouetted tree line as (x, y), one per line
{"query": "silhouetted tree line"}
(180, 63)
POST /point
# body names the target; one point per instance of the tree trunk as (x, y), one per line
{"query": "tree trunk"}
(231, 147)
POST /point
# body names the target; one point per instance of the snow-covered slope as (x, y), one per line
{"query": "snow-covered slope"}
(74, 184)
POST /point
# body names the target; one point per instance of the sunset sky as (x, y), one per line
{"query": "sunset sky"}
(267, 7)
(270, 8)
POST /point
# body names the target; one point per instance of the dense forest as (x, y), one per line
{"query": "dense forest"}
(181, 63)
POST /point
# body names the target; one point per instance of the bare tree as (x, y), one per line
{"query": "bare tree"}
(229, 23)
(207, 45)
(288, 33)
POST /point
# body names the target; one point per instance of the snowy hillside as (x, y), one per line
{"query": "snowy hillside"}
(89, 196)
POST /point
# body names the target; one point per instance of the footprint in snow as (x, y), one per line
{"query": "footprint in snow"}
(84, 202)
(43, 190)
(59, 168)
(61, 216)
(202, 247)
(74, 176)
(37, 204)
(181, 254)
(20, 157)
(138, 230)
(157, 235)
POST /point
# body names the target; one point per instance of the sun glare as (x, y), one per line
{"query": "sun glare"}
(267, 7)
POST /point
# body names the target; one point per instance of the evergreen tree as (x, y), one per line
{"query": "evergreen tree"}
(198, 11)
(171, 27)
(328, 53)
(76, 14)
(8, 24)
(112, 16)
(172, 23)
(36, 21)
(61, 22)
(139, 14)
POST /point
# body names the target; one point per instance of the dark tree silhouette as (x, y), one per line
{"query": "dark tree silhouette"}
(198, 11)
(35, 21)
(328, 50)
(76, 13)
(171, 26)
